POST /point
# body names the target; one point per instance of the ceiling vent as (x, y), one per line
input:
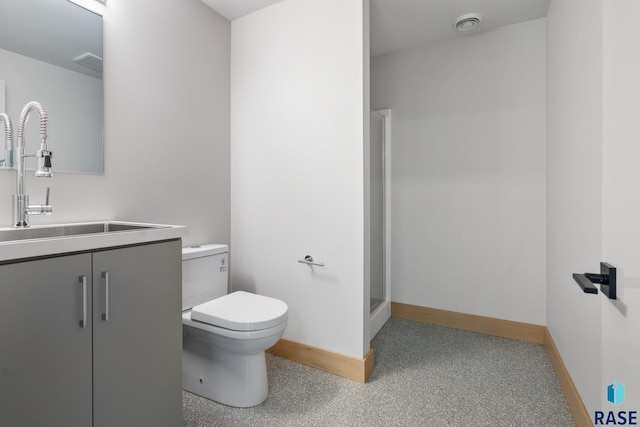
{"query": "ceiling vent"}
(468, 21)
(89, 60)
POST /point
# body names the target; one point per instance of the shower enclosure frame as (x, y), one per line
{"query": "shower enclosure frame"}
(382, 312)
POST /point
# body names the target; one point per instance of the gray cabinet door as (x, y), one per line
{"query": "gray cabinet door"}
(45, 355)
(137, 346)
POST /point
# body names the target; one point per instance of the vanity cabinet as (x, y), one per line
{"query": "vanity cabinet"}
(45, 357)
(92, 339)
(137, 350)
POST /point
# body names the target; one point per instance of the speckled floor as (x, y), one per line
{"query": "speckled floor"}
(425, 375)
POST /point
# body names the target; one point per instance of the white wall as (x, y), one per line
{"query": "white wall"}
(297, 132)
(2, 100)
(593, 133)
(574, 187)
(621, 202)
(166, 81)
(468, 182)
(73, 102)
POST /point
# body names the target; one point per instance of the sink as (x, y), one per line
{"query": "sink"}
(53, 240)
(67, 230)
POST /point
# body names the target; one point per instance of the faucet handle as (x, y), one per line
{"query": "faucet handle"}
(45, 209)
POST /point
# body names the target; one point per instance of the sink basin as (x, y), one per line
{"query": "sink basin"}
(67, 230)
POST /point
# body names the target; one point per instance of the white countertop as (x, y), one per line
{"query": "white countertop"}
(29, 248)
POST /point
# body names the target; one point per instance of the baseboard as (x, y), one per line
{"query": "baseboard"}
(470, 322)
(507, 329)
(576, 405)
(339, 364)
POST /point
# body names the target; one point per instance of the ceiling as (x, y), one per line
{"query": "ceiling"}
(395, 24)
(404, 24)
(232, 9)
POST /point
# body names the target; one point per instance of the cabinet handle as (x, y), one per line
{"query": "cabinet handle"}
(105, 315)
(83, 287)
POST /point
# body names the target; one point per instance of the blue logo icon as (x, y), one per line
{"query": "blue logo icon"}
(615, 393)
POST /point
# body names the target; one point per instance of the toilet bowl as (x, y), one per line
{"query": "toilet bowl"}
(225, 335)
(223, 355)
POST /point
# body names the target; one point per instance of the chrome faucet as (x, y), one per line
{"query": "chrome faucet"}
(8, 141)
(21, 207)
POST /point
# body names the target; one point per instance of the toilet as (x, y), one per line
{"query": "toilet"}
(225, 335)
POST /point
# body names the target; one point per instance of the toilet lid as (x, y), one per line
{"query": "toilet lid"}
(241, 311)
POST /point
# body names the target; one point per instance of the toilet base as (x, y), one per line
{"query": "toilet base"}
(230, 378)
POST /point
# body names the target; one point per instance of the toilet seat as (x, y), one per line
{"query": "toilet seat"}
(241, 311)
(204, 331)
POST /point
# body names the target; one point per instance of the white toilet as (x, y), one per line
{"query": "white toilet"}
(225, 335)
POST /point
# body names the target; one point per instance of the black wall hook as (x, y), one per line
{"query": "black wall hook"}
(606, 279)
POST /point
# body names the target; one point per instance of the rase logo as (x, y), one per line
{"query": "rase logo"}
(615, 395)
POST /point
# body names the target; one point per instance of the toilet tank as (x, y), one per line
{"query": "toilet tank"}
(204, 274)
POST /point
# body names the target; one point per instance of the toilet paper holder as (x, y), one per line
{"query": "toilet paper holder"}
(606, 279)
(308, 259)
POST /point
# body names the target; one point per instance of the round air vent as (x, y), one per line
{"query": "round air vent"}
(468, 21)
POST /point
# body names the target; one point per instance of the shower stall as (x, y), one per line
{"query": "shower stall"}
(380, 219)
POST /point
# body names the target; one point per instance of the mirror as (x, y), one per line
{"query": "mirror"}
(51, 52)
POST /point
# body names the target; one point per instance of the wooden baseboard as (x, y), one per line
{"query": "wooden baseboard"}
(507, 329)
(576, 405)
(470, 322)
(339, 364)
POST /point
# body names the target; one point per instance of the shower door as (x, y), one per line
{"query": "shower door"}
(380, 163)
